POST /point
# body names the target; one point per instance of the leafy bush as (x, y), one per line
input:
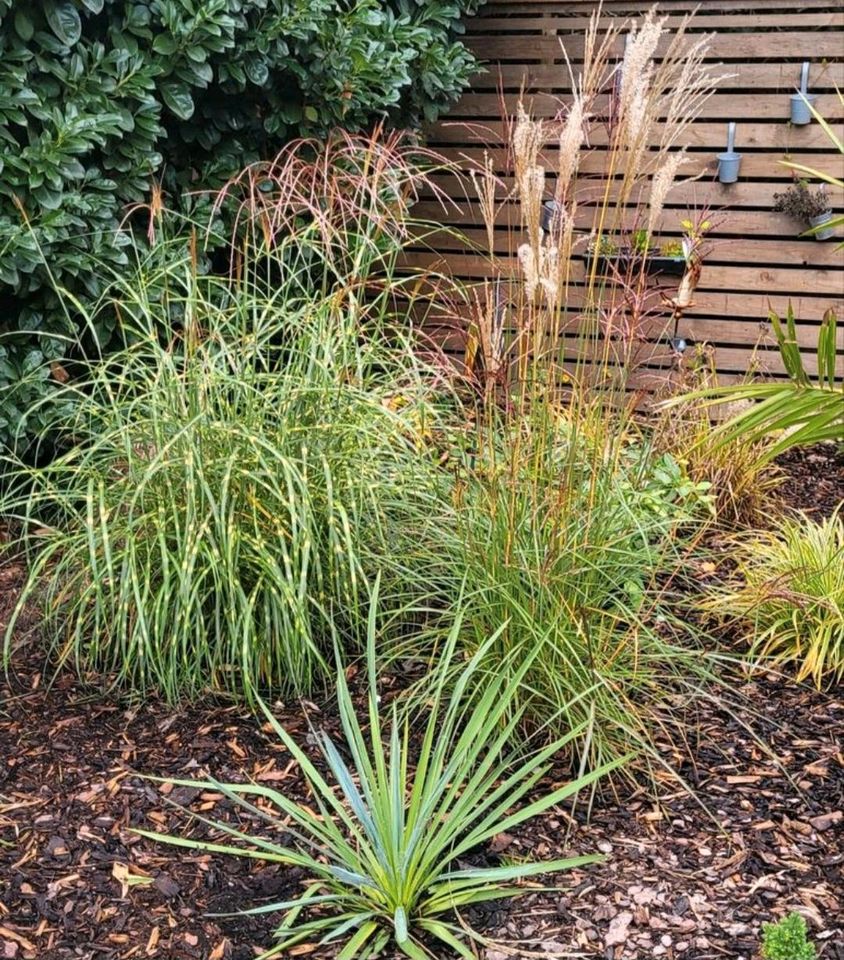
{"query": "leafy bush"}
(790, 598)
(100, 98)
(787, 940)
(385, 845)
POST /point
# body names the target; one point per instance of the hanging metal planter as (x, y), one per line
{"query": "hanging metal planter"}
(730, 161)
(801, 103)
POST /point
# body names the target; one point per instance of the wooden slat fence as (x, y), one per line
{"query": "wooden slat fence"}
(757, 259)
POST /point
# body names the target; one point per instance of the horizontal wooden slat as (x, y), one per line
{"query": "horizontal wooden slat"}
(724, 46)
(636, 354)
(749, 224)
(634, 8)
(771, 280)
(790, 254)
(706, 190)
(754, 166)
(771, 106)
(751, 134)
(774, 76)
(535, 22)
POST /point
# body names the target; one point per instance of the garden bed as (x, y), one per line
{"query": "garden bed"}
(678, 882)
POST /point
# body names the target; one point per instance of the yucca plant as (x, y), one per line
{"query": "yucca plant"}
(788, 601)
(386, 837)
(804, 410)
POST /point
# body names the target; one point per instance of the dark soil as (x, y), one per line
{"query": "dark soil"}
(679, 882)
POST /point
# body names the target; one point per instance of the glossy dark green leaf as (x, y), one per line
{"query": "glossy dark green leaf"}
(178, 99)
(164, 44)
(64, 20)
(23, 25)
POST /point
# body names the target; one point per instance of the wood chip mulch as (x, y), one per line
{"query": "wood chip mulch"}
(814, 479)
(678, 882)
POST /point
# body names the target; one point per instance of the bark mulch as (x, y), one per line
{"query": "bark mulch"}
(75, 882)
(814, 479)
(678, 882)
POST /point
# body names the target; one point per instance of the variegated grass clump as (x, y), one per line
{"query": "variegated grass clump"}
(788, 597)
(227, 482)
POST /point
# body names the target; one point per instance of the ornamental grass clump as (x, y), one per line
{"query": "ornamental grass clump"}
(788, 598)
(567, 527)
(557, 542)
(386, 835)
(227, 481)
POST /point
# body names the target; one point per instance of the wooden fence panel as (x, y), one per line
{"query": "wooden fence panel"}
(757, 258)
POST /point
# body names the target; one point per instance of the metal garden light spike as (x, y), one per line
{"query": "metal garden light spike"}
(801, 103)
(730, 161)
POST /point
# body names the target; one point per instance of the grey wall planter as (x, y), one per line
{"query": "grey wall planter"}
(818, 221)
(729, 162)
(801, 103)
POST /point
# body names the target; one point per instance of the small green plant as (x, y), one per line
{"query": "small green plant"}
(672, 248)
(671, 494)
(560, 529)
(790, 597)
(640, 242)
(787, 939)
(385, 845)
(603, 246)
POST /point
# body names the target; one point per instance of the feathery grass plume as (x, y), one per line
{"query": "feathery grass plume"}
(486, 184)
(661, 185)
(570, 142)
(635, 86)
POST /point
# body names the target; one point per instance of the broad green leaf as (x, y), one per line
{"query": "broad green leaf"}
(64, 20)
(178, 98)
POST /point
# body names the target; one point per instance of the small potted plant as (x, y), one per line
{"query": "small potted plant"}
(669, 259)
(810, 206)
(603, 250)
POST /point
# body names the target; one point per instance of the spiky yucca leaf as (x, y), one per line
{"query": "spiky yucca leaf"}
(386, 842)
